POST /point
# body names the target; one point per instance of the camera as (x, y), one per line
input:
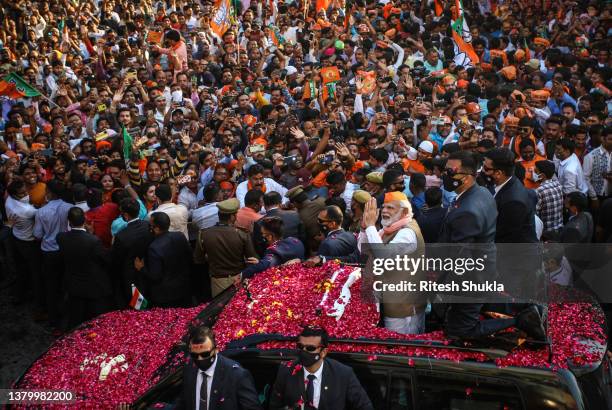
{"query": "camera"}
(418, 72)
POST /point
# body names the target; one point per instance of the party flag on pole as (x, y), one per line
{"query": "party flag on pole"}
(461, 33)
(127, 143)
(221, 20)
(17, 86)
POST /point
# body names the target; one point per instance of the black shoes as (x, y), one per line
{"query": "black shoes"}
(531, 321)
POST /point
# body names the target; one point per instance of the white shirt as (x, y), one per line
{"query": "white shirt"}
(83, 205)
(316, 384)
(205, 216)
(571, 176)
(499, 187)
(179, 217)
(209, 373)
(188, 199)
(21, 215)
(271, 186)
(404, 236)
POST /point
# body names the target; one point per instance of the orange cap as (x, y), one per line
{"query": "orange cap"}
(519, 56)
(103, 145)
(260, 141)
(462, 83)
(511, 121)
(395, 196)
(540, 95)
(509, 72)
(541, 42)
(472, 108)
(37, 146)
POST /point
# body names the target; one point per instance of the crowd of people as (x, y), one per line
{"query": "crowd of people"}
(171, 151)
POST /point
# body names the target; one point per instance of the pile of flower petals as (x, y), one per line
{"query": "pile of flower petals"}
(283, 299)
(144, 338)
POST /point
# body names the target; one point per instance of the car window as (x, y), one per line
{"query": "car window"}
(400, 392)
(458, 391)
(375, 383)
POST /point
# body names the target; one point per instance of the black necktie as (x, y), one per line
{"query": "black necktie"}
(204, 392)
(310, 392)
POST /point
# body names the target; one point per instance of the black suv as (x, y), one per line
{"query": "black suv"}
(402, 382)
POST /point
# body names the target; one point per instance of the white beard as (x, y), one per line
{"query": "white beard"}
(391, 220)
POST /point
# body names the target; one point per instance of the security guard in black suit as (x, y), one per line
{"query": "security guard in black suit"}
(338, 243)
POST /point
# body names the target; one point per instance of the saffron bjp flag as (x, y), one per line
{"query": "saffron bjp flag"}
(138, 301)
(322, 5)
(368, 80)
(461, 33)
(221, 20)
(10, 90)
(438, 8)
(14, 86)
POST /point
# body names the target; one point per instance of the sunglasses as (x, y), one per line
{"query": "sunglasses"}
(525, 129)
(322, 221)
(308, 348)
(487, 169)
(203, 355)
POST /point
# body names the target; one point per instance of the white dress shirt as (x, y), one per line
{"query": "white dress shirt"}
(271, 185)
(209, 373)
(571, 176)
(316, 383)
(205, 216)
(404, 236)
(21, 216)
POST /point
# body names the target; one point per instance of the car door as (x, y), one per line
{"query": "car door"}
(462, 391)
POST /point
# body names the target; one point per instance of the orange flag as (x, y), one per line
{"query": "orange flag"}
(368, 79)
(322, 4)
(221, 22)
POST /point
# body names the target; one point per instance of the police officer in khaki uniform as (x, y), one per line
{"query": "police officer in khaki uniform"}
(308, 209)
(225, 247)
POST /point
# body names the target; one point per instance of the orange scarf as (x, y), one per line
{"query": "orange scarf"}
(250, 186)
(394, 227)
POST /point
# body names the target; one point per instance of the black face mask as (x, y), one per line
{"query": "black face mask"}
(204, 364)
(450, 184)
(307, 359)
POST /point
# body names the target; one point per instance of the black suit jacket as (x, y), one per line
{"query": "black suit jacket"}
(292, 227)
(516, 214)
(232, 387)
(579, 229)
(430, 221)
(86, 264)
(340, 388)
(341, 245)
(471, 219)
(129, 243)
(168, 265)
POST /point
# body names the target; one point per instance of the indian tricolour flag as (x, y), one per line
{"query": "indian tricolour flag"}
(461, 33)
(138, 301)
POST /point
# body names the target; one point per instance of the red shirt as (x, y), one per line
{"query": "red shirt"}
(101, 219)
